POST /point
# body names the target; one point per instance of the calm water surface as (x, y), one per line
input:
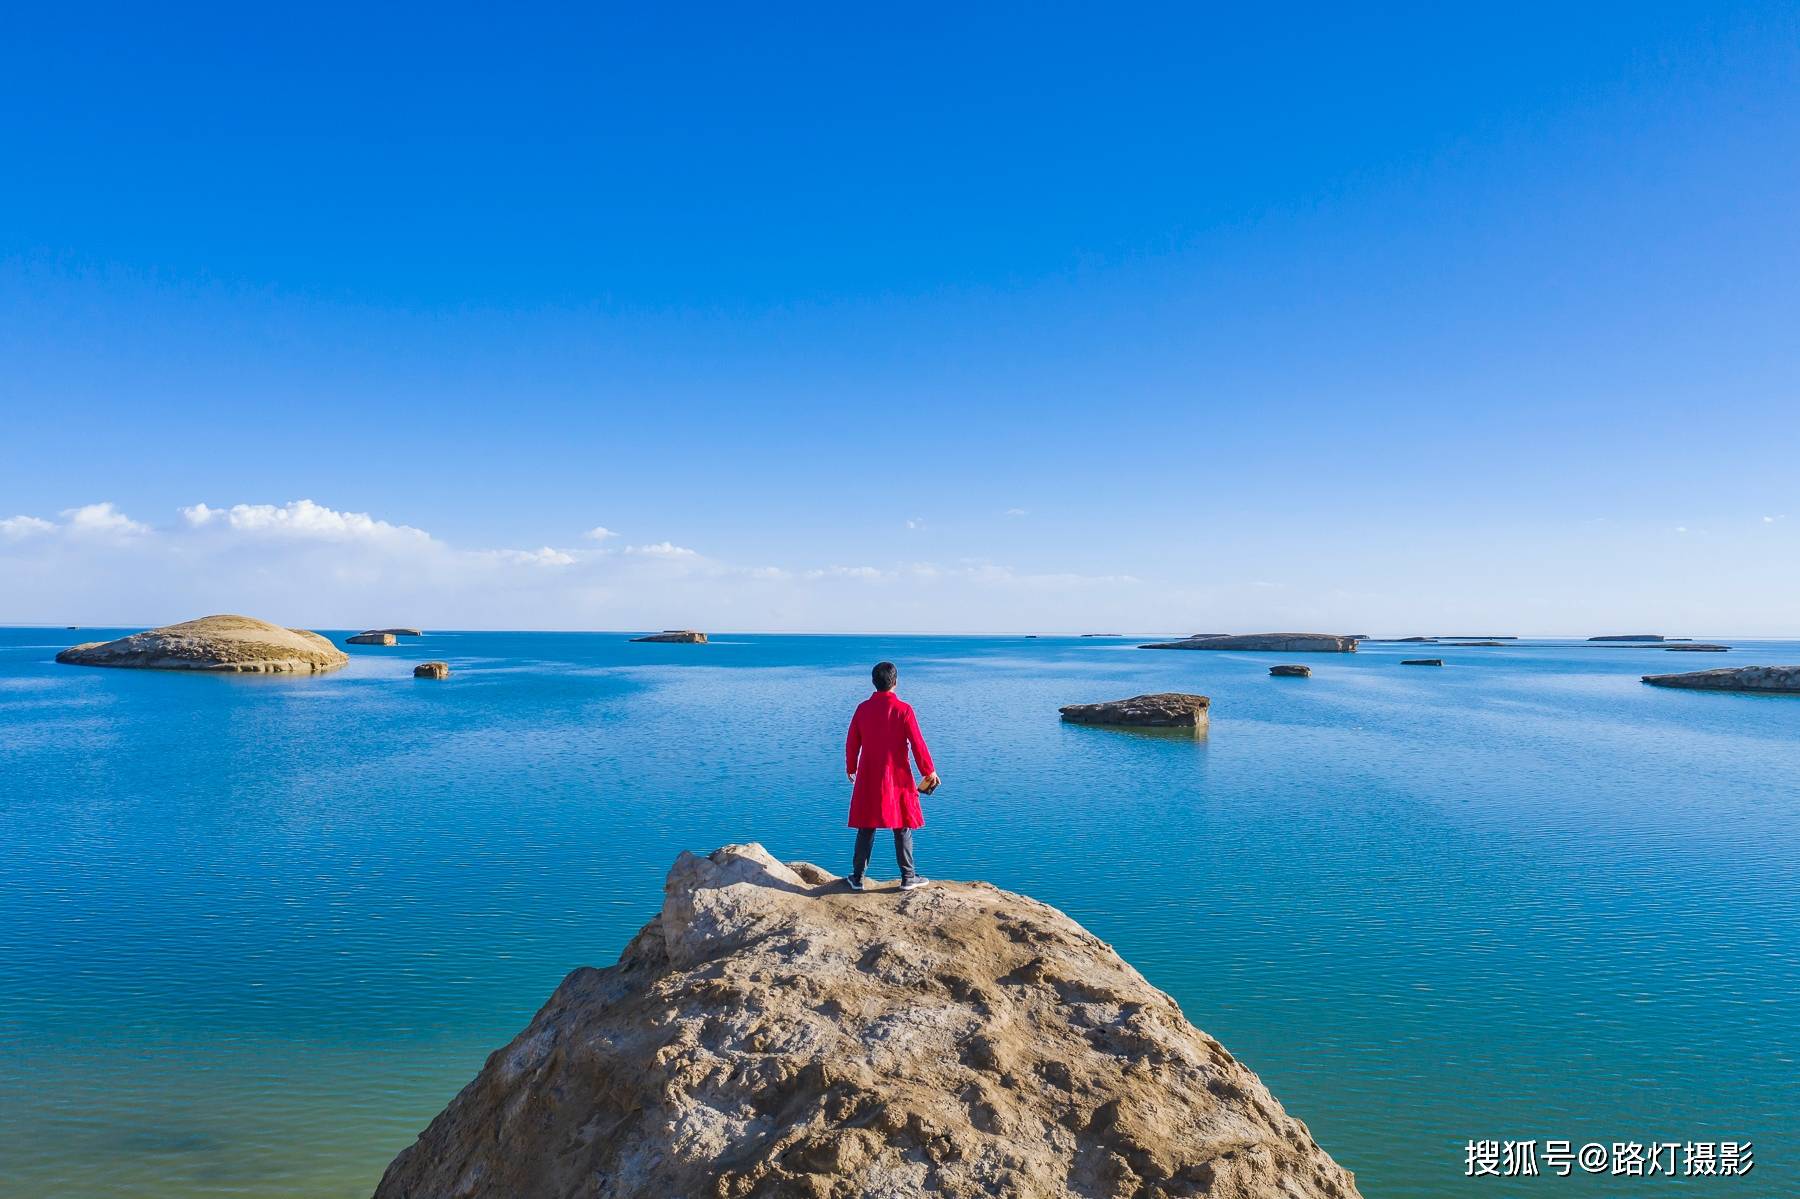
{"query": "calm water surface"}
(254, 933)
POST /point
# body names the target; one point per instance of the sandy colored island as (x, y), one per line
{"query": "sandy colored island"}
(228, 644)
(1286, 643)
(770, 1033)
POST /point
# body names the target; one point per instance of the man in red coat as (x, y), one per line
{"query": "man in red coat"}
(883, 794)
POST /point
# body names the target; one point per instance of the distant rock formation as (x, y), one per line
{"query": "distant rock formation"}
(1164, 710)
(1482, 637)
(1285, 643)
(1291, 672)
(1696, 647)
(1742, 678)
(1631, 637)
(676, 636)
(395, 632)
(772, 1034)
(432, 670)
(1467, 644)
(1421, 662)
(227, 644)
(1103, 634)
(371, 639)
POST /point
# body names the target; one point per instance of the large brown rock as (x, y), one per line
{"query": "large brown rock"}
(1743, 678)
(1287, 643)
(1165, 709)
(371, 639)
(773, 1034)
(432, 670)
(229, 644)
(1291, 672)
(678, 636)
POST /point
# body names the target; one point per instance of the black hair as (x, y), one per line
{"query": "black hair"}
(885, 674)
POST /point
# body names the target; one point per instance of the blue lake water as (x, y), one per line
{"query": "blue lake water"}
(254, 933)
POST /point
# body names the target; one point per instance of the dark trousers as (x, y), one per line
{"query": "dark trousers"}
(865, 845)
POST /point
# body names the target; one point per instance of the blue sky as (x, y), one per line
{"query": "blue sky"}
(1032, 317)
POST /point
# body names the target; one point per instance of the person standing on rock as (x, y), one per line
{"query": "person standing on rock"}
(883, 794)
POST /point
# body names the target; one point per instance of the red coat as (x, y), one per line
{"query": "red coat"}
(885, 795)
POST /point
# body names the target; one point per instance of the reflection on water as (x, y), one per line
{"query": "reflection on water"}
(258, 931)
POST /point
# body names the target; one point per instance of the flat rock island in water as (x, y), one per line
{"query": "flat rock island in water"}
(1743, 678)
(227, 644)
(771, 1033)
(1286, 643)
(1164, 710)
(676, 636)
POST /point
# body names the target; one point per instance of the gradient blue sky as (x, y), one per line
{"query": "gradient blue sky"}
(1026, 317)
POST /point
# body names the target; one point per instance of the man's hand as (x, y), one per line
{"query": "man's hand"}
(852, 776)
(929, 783)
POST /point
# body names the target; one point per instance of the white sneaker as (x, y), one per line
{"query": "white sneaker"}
(856, 884)
(914, 883)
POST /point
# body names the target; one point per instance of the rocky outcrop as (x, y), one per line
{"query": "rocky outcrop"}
(1291, 672)
(676, 636)
(1421, 662)
(227, 644)
(1631, 637)
(1696, 647)
(1164, 710)
(1743, 678)
(1468, 644)
(771, 1033)
(1286, 643)
(395, 632)
(432, 670)
(372, 639)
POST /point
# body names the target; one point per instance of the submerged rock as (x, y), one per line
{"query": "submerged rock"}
(677, 636)
(771, 1033)
(1421, 662)
(395, 632)
(1291, 672)
(226, 644)
(1696, 647)
(1743, 678)
(1164, 710)
(432, 670)
(372, 639)
(1287, 643)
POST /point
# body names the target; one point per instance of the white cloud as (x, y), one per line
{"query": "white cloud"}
(299, 518)
(865, 573)
(917, 522)
(24, 526)
(599, 533)
(1017, 512)
(1769, 520)
(662, 549)
(101, 518)
(1681, 528)
(539, 557)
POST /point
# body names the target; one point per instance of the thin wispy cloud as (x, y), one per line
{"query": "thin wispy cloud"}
(599, 533)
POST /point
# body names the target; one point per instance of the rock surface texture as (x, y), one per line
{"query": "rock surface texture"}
(1287, 643)
(228, 644)
(1743, 678)
(773, 1034)
(678, 636)
(432, 670)
(1164, 710)
(1291, 672)
(372, 639)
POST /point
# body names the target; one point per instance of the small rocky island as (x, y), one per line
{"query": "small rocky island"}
(372, 639)
(1164, 710)
(394, 632)
(676, 636)
(1285, 643)
(1743, 678)
(1291, 672)
(1421, 661)
(771, 1033)
(432, 670)
(1630, 637)
(226, 644)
